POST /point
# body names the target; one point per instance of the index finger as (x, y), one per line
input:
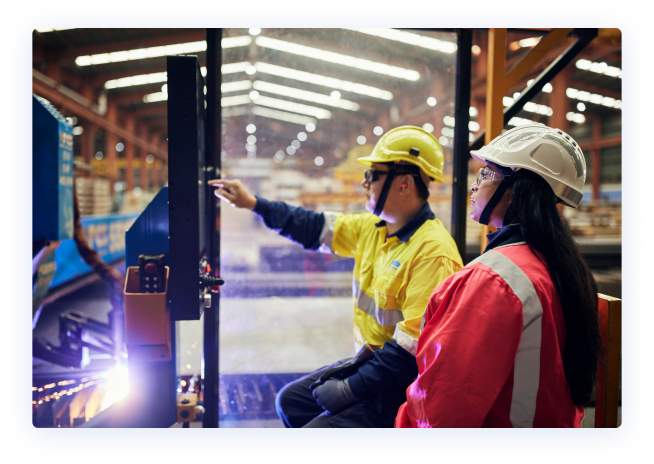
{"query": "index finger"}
(220, 182)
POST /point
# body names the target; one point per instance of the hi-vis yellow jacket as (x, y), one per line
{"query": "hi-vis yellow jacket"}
(393, 276)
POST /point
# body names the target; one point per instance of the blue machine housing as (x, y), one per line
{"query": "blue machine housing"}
(148, 235)
(152, 401)
(52, 152)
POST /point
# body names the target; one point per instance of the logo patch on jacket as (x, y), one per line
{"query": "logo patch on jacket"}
(395, 265)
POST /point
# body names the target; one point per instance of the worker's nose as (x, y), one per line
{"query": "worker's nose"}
(473, 187)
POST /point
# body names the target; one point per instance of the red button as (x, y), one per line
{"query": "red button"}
(150, 268)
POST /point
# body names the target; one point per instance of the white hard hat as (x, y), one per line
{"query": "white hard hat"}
(551, 153)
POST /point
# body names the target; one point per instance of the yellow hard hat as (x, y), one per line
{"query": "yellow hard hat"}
(412, 145)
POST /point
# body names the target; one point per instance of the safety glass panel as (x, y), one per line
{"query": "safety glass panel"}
(299, 106)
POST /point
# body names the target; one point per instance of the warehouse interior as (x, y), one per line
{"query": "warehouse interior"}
(297, 107)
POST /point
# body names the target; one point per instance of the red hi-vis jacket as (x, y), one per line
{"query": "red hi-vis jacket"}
(489, 353)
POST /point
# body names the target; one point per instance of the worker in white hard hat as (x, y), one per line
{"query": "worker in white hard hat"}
(512, 340)
(401, 253)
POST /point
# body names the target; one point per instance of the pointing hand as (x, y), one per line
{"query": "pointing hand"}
(234, 193)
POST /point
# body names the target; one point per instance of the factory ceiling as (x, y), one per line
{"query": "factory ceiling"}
(89, 71)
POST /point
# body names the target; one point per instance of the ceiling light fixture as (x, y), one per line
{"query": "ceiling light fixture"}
(268, 113)
(282, 116)
(593, 98)
(530, 42)
(155, 78)
(450, 121)
(305, 95)
(153, 52)
(338, 58)
(599, 67)
(235, 100)
(155, 97)
(546, 88)
(516, 121)
(410, 38)
(231, 68)
(142, 79)
(323, 80)
(294, 107)
(524, 43)
(319, 113)
(575, 117)
(530, 106)
(235, 86)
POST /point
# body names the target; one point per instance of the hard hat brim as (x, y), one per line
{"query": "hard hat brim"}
(475, 155)
(368, 160)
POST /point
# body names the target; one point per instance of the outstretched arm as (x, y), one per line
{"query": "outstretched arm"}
(293, 222)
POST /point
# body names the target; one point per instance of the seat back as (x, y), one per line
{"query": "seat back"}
(607, 394)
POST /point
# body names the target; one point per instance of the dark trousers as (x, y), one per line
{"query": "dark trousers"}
(297, 407)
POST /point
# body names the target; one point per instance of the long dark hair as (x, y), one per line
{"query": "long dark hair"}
(533, 206)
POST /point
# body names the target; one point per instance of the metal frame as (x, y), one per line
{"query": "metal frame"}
(585, 36)
(460, 150)
(211, 348)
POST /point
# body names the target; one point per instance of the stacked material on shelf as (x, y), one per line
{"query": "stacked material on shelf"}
(136, 201)
(93, 195)
(598, 220)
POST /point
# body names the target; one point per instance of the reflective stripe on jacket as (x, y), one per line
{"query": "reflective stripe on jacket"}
(394, 276)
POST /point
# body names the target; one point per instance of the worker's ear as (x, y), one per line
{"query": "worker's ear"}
(406, 184)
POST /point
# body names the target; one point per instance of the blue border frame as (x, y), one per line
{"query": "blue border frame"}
(361, 442)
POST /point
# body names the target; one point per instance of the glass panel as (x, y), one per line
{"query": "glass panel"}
(299, 106)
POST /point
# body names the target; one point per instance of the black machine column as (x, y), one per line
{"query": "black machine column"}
(213, 166)
(461, 151)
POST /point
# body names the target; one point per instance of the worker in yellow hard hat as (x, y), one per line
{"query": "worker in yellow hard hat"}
(401, 253)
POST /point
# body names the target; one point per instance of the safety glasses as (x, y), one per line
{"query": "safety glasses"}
(485, 175)
(372, 175)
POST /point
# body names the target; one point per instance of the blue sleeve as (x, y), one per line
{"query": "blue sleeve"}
(300, 225)
(391, 367)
